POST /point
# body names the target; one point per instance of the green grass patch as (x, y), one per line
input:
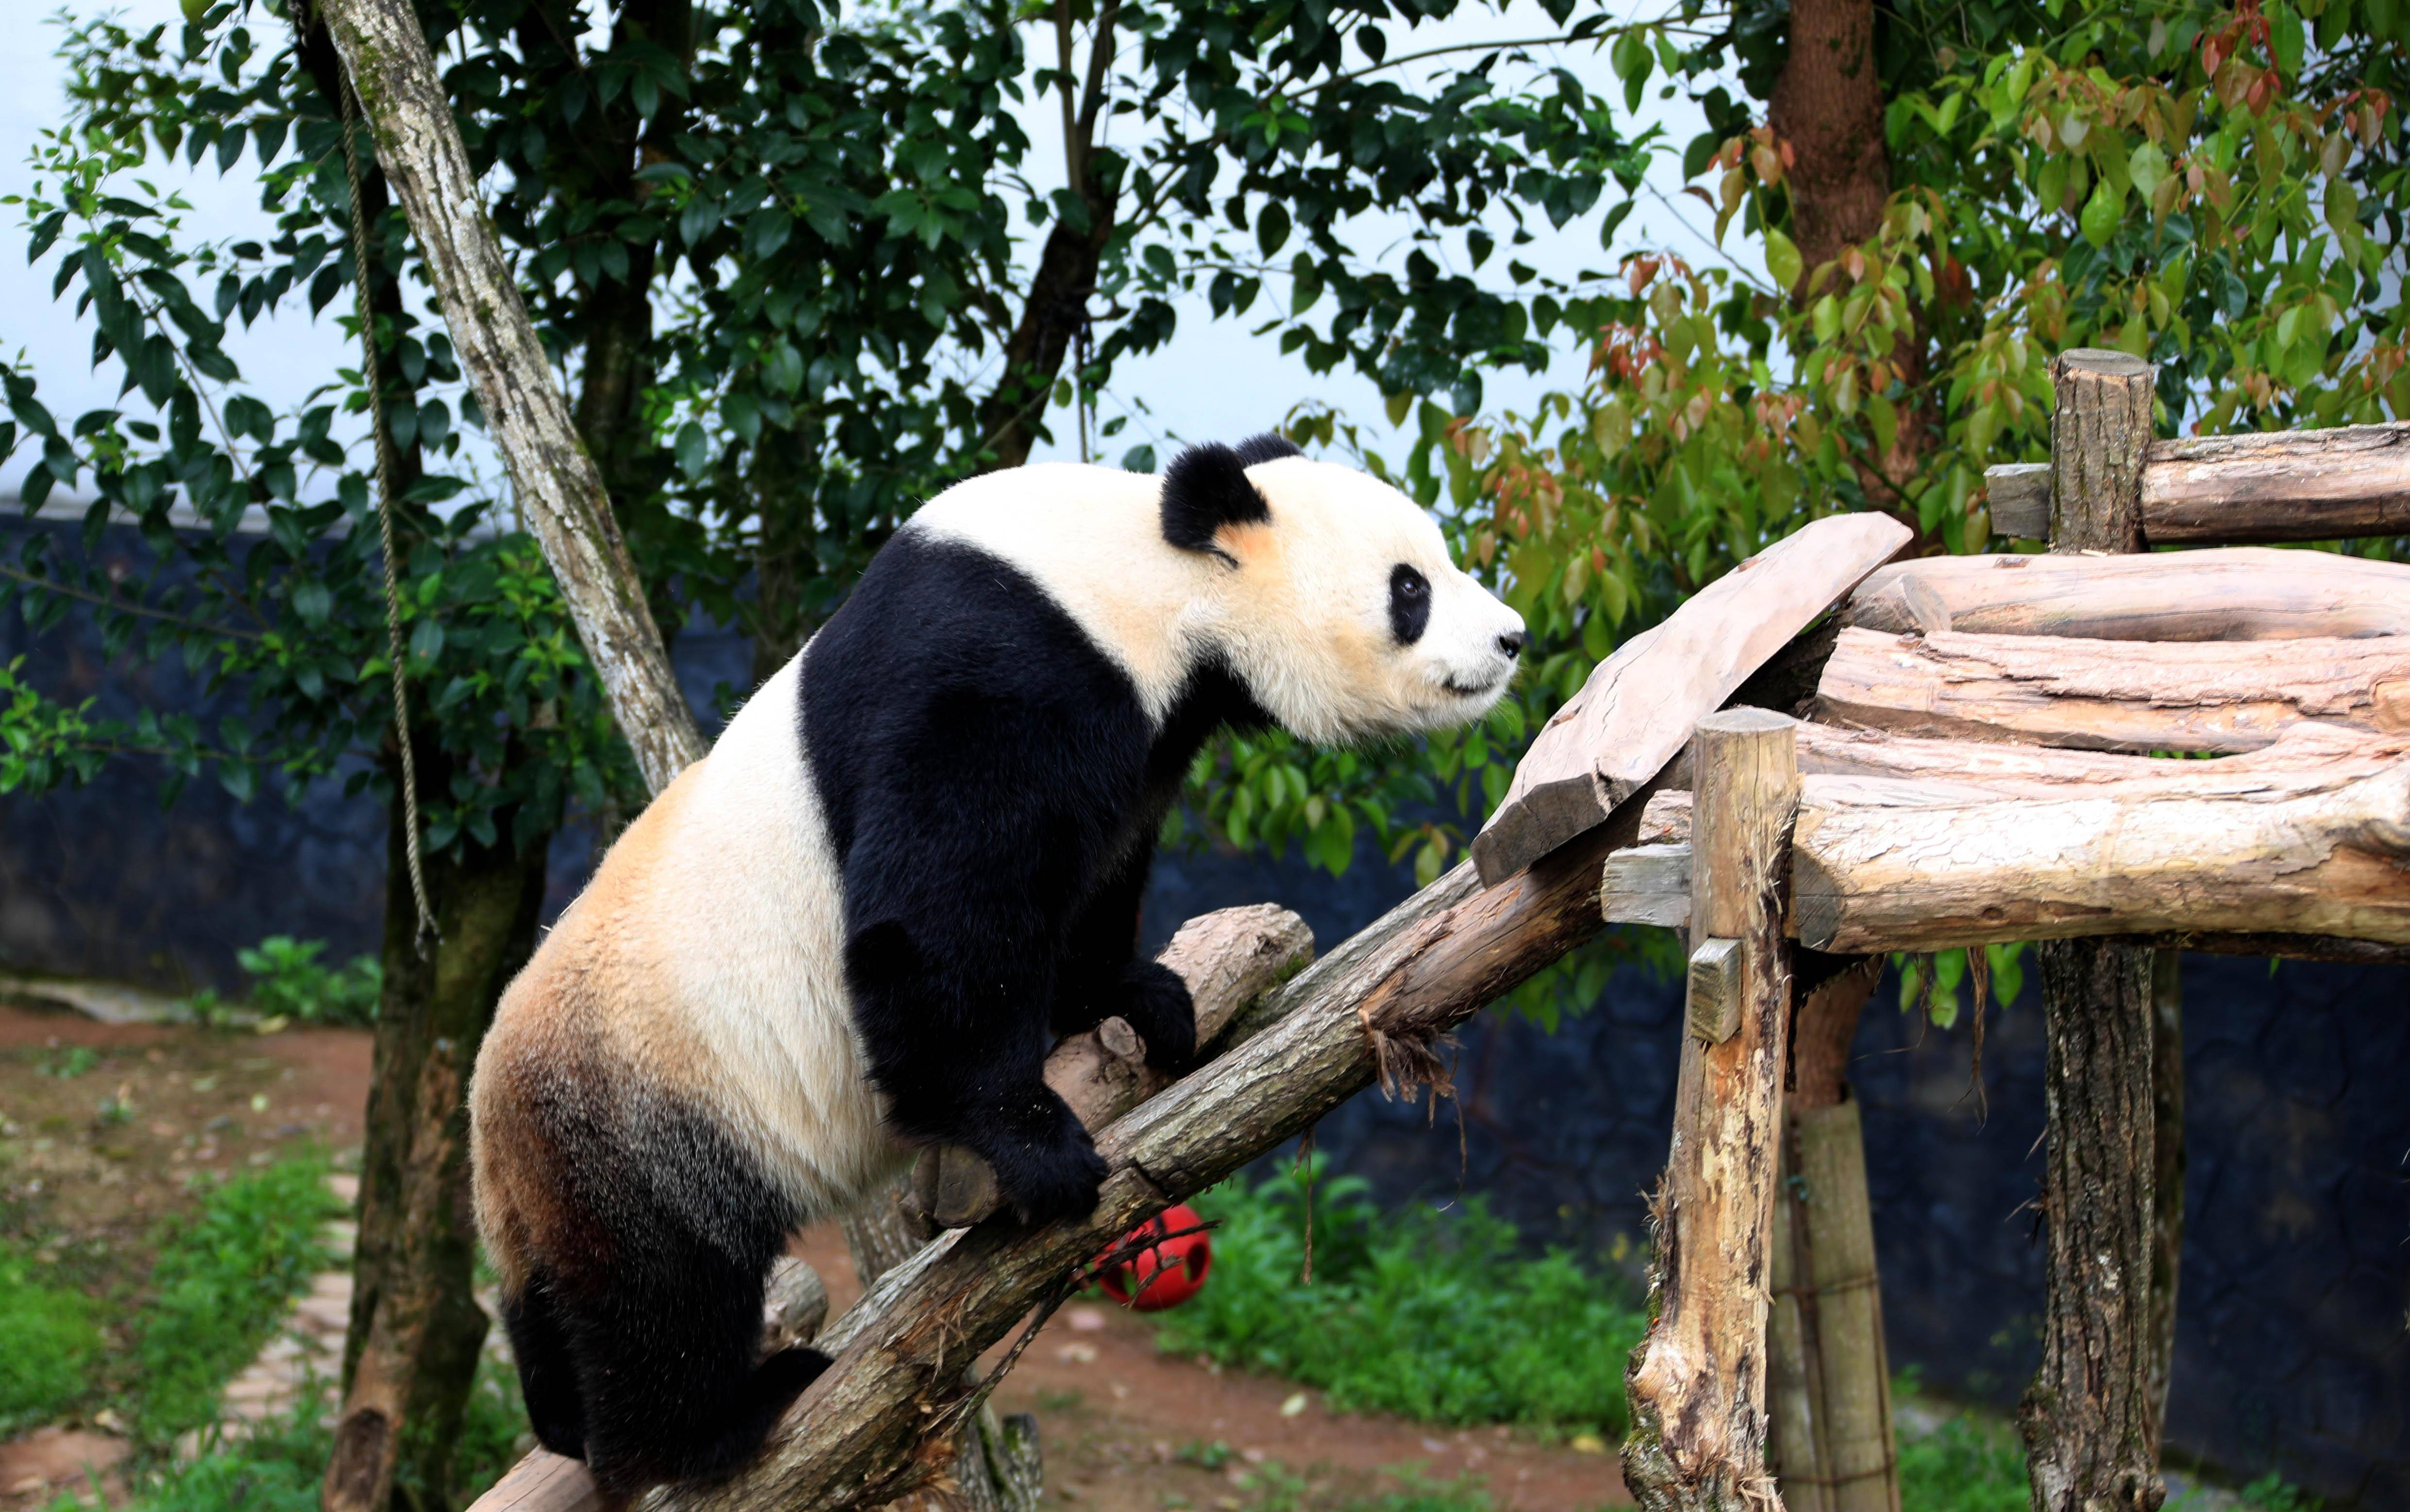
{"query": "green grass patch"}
(1964, 1465)
(1433, 1317)
(47, 1342)
(222, 1280)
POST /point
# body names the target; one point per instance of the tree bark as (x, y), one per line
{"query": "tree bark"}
(552, 474)
(2167, 1172)
(410, 1356)
(1697, 1380)
(2092, 1436)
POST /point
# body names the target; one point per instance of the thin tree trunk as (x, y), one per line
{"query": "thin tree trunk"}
(2167, 1172)
(552, 474)
(410, 1356)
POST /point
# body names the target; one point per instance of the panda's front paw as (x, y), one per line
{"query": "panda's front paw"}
(1050, 1173)
(1157, 1004)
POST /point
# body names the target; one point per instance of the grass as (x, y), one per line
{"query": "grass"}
(223, 1277)
(1433, 1317)
(1964, 1465)
(47, 1342)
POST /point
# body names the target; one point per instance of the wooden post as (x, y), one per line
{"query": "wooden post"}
(1824, 1205)
(2091, 1429)
(1859, 1468)
(1795, 1447)
(1697, 1381)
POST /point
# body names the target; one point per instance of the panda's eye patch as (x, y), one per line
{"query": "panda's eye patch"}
(1409, 603)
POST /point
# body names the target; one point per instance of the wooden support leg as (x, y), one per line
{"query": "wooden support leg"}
(2091, 1434)
(2091, 1416)
(1697, 1380)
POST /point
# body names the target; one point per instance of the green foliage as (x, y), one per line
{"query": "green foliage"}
(2269, 1493)
(47, 1342)
(68, 1064)
(279, 1466)
(1437, 1318)
(224, 1276)
(1966, 1465)
(288, 980)
(1932, 981)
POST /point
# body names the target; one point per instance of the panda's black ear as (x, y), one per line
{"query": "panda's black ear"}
(1205, 489)
(1266, 447)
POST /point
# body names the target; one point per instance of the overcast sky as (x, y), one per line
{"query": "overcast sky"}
(1213, 381)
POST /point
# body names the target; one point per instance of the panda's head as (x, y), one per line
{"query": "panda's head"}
(1333, 597)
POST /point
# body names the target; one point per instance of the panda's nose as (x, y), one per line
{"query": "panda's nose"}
(1512, 644)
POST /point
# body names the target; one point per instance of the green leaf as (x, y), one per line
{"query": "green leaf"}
(1782, 260)
(2286, 37)
(2148, 166)
(1271, 226)
(2101, 214)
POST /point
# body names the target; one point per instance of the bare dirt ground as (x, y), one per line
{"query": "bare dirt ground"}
(102, 1125)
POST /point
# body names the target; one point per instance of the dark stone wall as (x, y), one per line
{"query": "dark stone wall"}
(2294, 1346)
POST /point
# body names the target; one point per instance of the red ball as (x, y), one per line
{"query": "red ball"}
(1168, 1272)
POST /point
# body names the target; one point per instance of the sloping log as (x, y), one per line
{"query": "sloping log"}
(1229, 959)
(1363, 1010)
(1880, 864)
(2114, 695)
(1639, 705)
(2246, 593)
(1698, 1378)
(2284, 486)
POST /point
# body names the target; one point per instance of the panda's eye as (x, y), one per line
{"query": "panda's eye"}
(1409, 603)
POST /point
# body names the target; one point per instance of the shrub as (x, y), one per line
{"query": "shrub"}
(1963, 1466)
(288, 980)
(220, 1284)
(1434, 1316)
(46, 1341)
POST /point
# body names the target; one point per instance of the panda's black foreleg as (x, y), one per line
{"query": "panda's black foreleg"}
(961, 1060)
(547, 1369)
(1102, 977)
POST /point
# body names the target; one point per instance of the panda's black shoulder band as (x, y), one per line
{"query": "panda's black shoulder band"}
(1205, 489)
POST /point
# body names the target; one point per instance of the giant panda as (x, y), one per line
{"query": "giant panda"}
(910, 860)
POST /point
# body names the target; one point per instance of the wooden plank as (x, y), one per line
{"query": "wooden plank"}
(1697, 1382)
(2018, 495)
(2050, 771)
(1918, 870)
(2281, 486)
(1649, 884)
(1637, 710)
(2228, 490)
(2242, 593)
(2114, 695)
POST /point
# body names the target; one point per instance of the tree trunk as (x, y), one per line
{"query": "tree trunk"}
(2167, 1172)
(552, 474)
(2091, 1436)
(2091, 1429)
(410, 1354)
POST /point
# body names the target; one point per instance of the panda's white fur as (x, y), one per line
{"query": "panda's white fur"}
(914, 851)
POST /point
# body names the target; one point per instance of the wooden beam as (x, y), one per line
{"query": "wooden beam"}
(2114, 695)
(2284, 486)
(1697, 1382)
(2227, 490)
(871, 1428)
(2051, 771)
(1880, 864)
(1638, 706)
(2244, 593)
(1228, 958)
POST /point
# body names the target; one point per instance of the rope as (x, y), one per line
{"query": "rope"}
(382, 444)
